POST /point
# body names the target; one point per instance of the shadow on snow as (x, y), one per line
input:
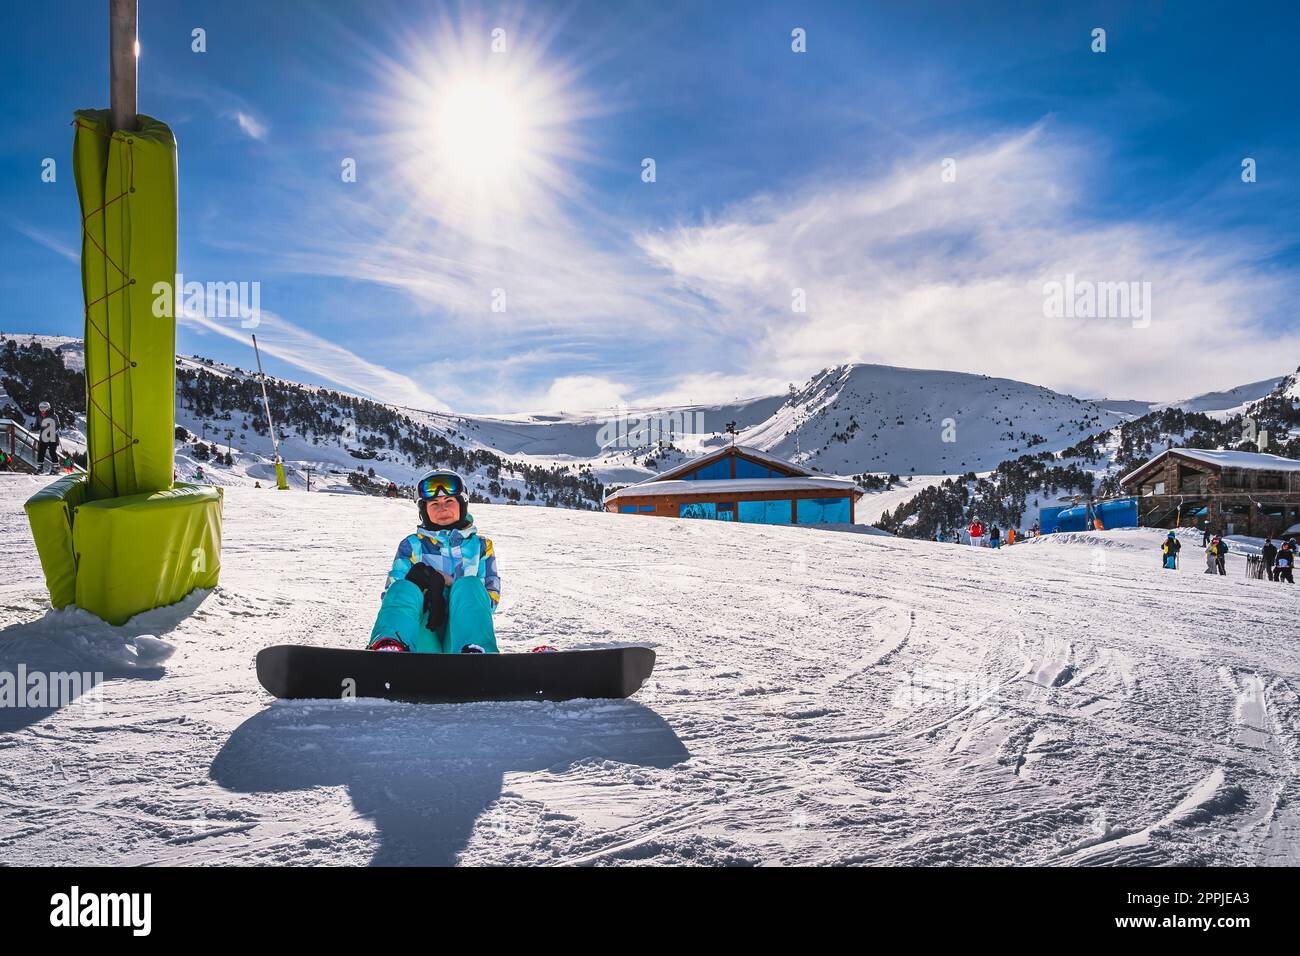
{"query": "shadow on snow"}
(425, 774)
(74, 649)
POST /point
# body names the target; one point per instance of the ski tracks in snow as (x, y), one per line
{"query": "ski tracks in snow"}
(818, 697)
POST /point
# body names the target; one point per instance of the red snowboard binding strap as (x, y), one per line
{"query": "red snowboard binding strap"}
(544, 649)
(388, 644)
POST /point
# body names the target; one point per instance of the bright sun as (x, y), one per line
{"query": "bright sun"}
(480, 135)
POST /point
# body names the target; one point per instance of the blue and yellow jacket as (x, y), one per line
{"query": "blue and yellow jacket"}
(456, 552)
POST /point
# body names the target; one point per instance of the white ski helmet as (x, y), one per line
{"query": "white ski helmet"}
(442, 483)
(43, 407)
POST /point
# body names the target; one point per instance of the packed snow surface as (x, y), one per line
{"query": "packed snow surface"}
(819, 698)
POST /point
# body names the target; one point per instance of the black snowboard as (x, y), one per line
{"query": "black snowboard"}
(294, 671)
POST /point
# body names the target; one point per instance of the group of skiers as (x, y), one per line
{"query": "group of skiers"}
(978, 532)
(985, 536)
(1279, 562)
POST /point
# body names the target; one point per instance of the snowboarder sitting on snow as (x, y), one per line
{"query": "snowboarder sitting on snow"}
(1170, 550)
(443, 587)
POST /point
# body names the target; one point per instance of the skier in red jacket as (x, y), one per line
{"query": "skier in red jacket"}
(977, 533)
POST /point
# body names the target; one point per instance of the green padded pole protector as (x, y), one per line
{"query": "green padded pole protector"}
(138, 552)
(123, 539)
(49, 512)
(126, 183)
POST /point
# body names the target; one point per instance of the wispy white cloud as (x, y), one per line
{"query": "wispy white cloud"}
(708, 388)
(565, 270)
(321, 358)
(899, 268)
(250, 125)
(570, 393)
(216, 100)
(906, 269)
(572, 288)
(509, 264)
(43, 238)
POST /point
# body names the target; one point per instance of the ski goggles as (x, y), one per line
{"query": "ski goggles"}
(438, 483)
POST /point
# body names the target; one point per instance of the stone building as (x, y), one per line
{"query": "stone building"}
(1235, 492)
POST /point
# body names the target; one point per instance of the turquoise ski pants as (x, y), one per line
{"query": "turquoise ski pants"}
(469, 618)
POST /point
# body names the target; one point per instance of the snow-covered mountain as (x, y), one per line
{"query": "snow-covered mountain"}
(1260, 416)
(877, 418)
(849, 420)
(1228, 401)
(852, 419)
(1210, 403)
(71, 349)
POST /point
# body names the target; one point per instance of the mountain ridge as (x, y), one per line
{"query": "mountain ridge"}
(855, 419)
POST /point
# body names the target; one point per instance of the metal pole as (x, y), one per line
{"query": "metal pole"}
(281, 481)
(122, 42)
(266, 403)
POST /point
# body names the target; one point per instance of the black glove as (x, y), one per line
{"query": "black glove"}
(431, 584)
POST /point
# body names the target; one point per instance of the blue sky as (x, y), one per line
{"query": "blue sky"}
(776, 171)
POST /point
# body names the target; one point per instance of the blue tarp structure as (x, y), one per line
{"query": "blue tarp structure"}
(1121, 513)
(1047, 519)
(1077, 518)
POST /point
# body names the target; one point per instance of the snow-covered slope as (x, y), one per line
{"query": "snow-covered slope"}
(1227, 401)
(72, 349)
(1232, 399)
(876, 418)
(851, 419)
(848, 420)
(819, 698)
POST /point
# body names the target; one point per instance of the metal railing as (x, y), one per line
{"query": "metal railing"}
(21, 446)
